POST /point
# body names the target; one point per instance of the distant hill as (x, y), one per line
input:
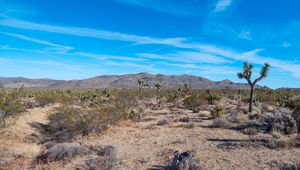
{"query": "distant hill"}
(121, 81)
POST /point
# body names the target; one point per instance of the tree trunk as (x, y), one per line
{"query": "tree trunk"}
(251, 98)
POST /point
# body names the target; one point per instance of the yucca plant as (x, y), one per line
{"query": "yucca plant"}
(247, 73)
(212, 97)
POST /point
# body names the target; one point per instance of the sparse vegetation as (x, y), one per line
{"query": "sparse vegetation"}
(216, 112)
(212, 97)
(10, 105)
(84, 114)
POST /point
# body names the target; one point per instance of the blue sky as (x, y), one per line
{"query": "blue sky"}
(67, 39)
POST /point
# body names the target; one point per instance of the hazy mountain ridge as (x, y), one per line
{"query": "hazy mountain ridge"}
(121, 81)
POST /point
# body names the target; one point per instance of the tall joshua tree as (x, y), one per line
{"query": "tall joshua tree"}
(246, 74)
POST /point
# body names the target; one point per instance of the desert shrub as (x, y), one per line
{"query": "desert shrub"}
(284, 123)
(188, 125)
(102, 158)
(173, 95)
(292, 103)
(213, 96)
(192, 102)
(69, 122)
(216, 112)
(50, 96)
(184, 119)
(163, 122)
(281, 120)
(45, 98)
(10, 105)
(274, 143)
(290, 166)
(220, 123)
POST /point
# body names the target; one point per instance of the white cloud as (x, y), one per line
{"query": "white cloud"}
(106, 57)
(86, 32)
(221, 5)
(187, 57)
(38, 41)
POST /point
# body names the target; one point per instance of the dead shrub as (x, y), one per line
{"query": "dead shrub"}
(61, 152)
(220, 123)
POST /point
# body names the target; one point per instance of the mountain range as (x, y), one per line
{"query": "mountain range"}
(121, 81)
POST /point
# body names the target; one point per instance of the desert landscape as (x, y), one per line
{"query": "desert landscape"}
(149, 126)
(149, 85)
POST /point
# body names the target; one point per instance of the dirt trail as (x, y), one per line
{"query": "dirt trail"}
(16, 137)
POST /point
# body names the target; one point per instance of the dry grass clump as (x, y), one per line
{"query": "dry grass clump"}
(101, 158)
(92, 157)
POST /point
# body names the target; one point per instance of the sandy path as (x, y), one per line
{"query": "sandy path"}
(15, 138)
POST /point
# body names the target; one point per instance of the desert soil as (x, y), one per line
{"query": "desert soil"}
(151, 142)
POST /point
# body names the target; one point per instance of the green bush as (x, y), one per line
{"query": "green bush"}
(10, 105)
(217, 112)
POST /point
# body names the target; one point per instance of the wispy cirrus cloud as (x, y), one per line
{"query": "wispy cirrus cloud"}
(221, 5)
(34, 40)
(192, 8)
(187, 57)
(106, 57)
(212, 54)
(87, 32)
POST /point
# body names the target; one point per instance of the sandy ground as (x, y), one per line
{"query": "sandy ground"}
(145, 144)
(151, 142)
(16, 138)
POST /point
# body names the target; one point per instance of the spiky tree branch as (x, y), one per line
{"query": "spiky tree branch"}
(247, 73)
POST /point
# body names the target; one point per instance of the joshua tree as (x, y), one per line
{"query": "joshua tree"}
(141, 84)
(106, 92)
(158, 87)
(246, 74)
(186, 89)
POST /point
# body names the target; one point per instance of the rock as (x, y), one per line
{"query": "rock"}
(184, 161)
